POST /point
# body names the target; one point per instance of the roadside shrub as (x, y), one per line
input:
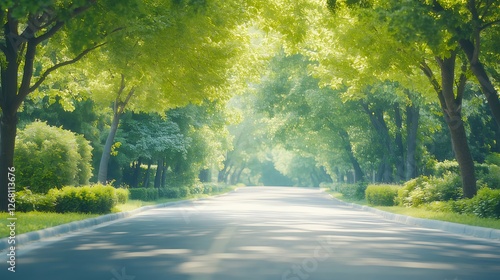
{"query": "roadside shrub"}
(446, 166)
(122, 195)
(448, 187)
(145, 194)
(198, 189)
(423, 189)
(493, 159)
(170, 192)
(353, 191)
(491, 178)
(47, 157)
(97, 199)
(208, 189)
(383, 195)
(412, 193)
(184, 192)
(27, 201)
(486, 204)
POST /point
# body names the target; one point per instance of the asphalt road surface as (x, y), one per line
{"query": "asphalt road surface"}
(257, 233)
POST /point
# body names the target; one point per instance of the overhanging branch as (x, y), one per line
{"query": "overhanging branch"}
(59, 65)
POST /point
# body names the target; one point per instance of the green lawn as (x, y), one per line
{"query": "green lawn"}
(32, 221)
(428, 214)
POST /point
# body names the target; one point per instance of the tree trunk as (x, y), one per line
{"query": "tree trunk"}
(377, 119)
(484, 80)
(102, 176)
(398, 140)
(164, 175)
(8, 129)
(145, 183)
(451, 106)
(159, 169)
(358, 172)
(137, 173)
(412, 119)
(9, 105)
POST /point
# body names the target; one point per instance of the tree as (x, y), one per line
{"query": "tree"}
(27, 28)
(190, 66)
(402, 38)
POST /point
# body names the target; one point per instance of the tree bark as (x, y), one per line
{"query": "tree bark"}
(358, 172)
(453, 117)
(164, 175)
(377, 119)
(102, 176)
(137, 173)
(398, 141)
(145, 183)
(412, 119)
(118, 109)
(484, 80)
(159, 169)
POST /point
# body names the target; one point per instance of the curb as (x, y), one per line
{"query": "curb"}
(38, 235)
(460, 229)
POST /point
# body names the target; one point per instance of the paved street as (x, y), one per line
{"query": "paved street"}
(258, 233)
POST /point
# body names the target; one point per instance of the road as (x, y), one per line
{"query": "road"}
(257, 233)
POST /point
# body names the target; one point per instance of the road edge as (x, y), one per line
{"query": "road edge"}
(39, 235)
(460, 229)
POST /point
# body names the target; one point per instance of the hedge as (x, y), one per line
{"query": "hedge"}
(145, 194)
(382, 195)
(99, 199)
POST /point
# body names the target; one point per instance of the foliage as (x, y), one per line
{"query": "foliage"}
(382, 195)
(488, 175)
(145, 194)
(48, 157)
(423, 189)
(99, 199)
(352, 191)
(170, 192)
(486, 204)
(122, 195)
(27, 201)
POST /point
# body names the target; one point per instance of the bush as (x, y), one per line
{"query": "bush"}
(27, 201)
(493, 159)
(383, 195)
(445, 167)
(490, 178)
(184, 192)
(423, 189)
(413, 192)
(145, 194)
(47, 157)
(170, 192)
(486, 204)
(449, 187)
(353, 191)
(122, 195)
(198, 189)
(98, 199)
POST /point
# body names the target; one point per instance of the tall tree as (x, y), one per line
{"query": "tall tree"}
(28, 27)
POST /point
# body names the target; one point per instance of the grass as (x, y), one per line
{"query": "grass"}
(429, 214)
(32, 221)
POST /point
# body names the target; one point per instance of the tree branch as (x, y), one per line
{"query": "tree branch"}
(59, 65)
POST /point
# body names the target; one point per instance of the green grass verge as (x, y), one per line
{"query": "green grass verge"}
(429, 214)
(32, 221)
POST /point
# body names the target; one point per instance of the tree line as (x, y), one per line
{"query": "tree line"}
(345, 89)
